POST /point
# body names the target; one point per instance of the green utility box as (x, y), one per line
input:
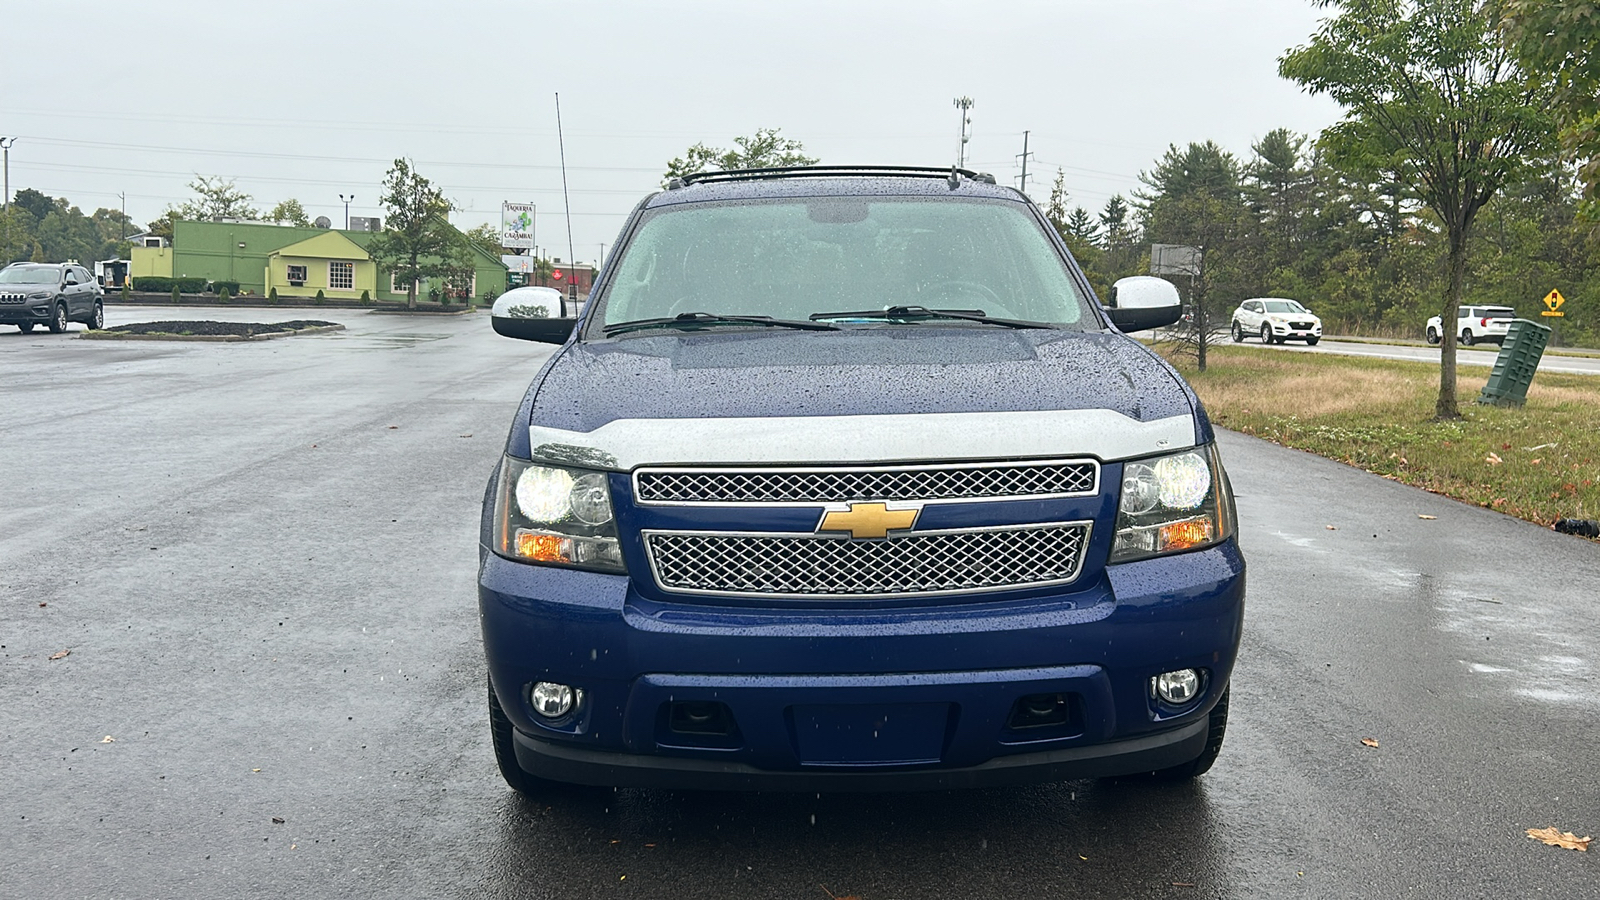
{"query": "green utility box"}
(1514, 367)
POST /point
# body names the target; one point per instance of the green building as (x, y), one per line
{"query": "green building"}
(294, 261)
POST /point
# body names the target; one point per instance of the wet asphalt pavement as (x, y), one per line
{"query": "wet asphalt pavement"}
(262, 560)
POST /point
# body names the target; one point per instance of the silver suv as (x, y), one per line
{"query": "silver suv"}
(50, 294)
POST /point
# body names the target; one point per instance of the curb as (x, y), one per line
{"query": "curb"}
(204, 338)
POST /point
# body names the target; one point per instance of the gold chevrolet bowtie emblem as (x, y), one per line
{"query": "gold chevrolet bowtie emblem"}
(869, 520)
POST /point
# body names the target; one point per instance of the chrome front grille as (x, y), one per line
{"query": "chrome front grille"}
(836, 485)
(802, 566)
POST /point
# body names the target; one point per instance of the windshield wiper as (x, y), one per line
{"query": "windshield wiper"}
(912, 313)
(693, 320)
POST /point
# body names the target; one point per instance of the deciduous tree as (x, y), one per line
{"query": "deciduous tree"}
(1432, 94)
(765, 149)
(418, 240)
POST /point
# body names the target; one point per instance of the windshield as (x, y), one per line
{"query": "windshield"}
(1284, 306)
(795, 259)
(29, 275)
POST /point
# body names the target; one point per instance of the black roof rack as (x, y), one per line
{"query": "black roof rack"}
(953, 174)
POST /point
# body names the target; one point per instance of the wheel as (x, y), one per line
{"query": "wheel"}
(1266, 333)
(1466, 337)
(1433, 335)
(1238, 332)
(1312, 341)
(97, 319)
(58, 323)
(25, 327)
(1201, 764)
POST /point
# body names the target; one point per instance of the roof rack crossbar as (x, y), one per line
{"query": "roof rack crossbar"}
(832, 171)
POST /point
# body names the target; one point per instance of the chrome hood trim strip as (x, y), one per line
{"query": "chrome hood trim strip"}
(624, 444)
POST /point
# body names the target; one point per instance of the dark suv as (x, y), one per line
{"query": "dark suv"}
(50, 294)
(845, 480)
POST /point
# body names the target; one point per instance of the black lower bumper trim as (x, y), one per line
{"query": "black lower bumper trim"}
(580, 765)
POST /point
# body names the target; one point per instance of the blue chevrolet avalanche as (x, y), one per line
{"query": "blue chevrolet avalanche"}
(846, 480)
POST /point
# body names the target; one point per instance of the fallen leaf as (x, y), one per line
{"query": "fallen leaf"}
(255, 770)
(1560, 838)
(1422, 516)
(649, 845)
(62, 654)
(1330, 528)
(393, 427)
(1369, 742)
(1493, 459)
(108, 739)
(277, 820)
(468, 434)
(1534, 462)
(43, 605)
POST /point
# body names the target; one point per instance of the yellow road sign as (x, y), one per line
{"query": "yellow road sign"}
(1554, 300)
(1553, 314)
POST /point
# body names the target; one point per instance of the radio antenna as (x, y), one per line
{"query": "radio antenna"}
(572, 256)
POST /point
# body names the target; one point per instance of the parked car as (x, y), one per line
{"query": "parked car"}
(1476, 323)
(50, 294)
(1275, 320)
(845, 481)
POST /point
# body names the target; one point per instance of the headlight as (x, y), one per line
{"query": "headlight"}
(39, 295)
(1170, 503)
(557, 516)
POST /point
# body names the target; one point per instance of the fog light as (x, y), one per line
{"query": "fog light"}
(1177, 688)
(552, 700)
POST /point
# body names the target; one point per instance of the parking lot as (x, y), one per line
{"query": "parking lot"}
(241, 657)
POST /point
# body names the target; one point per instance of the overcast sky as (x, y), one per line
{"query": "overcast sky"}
(313, 99)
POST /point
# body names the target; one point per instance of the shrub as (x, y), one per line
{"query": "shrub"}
(175, 297)
(272, 295)
(152, 283)
(490, 295)
(320, 296)
(366, 296)
(223, 294)
(125, 288)
(231, 288)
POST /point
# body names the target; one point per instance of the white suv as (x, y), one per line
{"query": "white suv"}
(1476, 323)
(1276, 320)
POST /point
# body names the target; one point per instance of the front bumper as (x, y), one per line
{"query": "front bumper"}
(1294, 330)
(874, 697)
(12, 313)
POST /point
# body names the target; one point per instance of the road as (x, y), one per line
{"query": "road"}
(1465, 356)
(262, 560)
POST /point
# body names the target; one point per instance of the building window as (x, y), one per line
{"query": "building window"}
(395, 287)
(296, 275)
(342, 276)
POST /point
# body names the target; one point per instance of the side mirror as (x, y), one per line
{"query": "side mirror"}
(1143, 302)
(514, 318)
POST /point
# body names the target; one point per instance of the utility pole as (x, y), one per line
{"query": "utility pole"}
(1024, 157)
(347, 202)
(5, 148)
(123, 196)
(964, 104)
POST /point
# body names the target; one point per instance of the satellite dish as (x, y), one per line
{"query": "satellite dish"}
(323, 222)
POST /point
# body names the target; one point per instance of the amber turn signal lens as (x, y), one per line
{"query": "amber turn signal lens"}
(541, 547)
(1185, 534)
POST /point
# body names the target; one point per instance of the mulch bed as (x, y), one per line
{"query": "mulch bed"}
(219, 329)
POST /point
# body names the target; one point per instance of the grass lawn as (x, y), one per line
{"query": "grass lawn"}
(1539, 463)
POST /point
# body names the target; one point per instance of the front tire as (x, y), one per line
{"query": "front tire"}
(1312, 341)
(501, 732)
(1433, 336)
(1238, 332)
(1266, 334)
(58, 323)
(1467, 340)
(97, 319)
